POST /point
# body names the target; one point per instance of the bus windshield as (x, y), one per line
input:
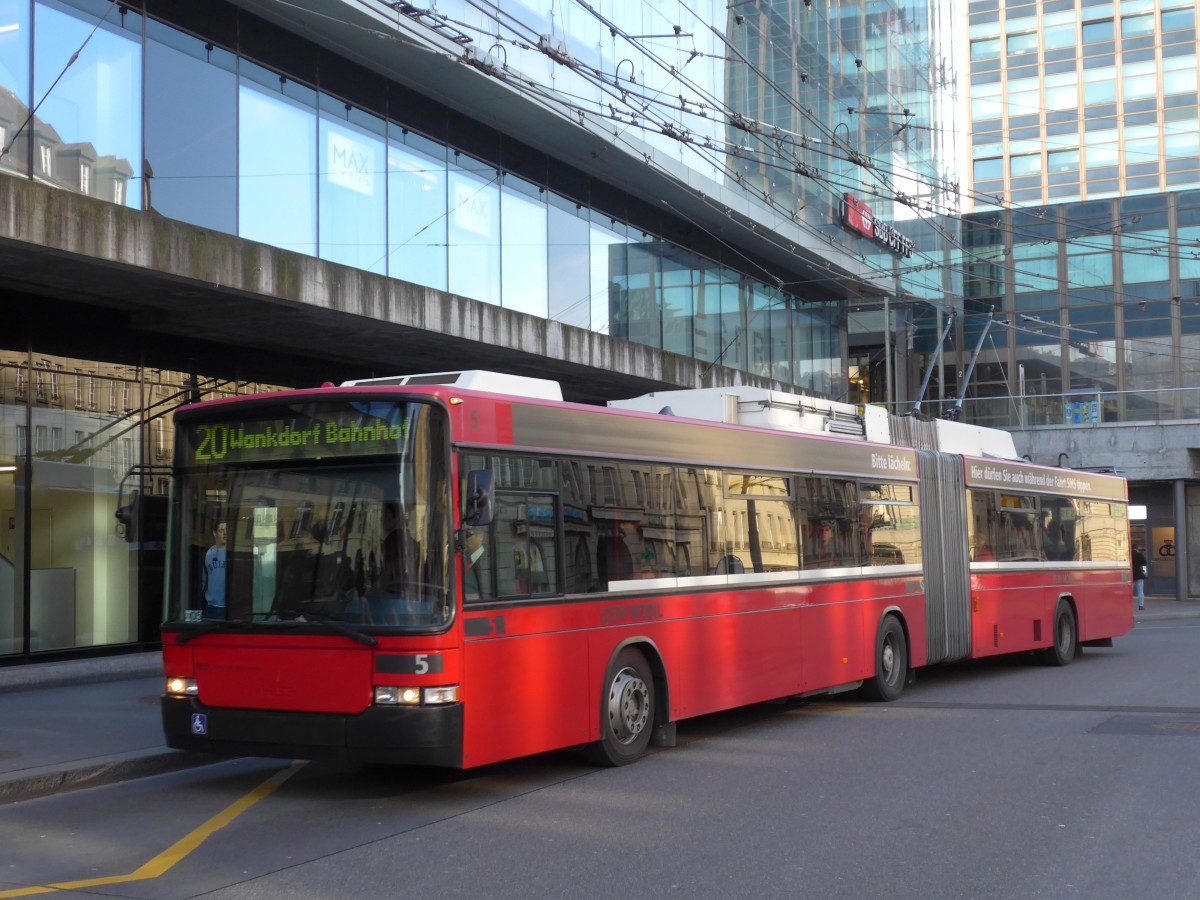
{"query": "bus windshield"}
(332, 512)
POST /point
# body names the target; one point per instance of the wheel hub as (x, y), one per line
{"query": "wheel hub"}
(888, 660)
(628, 706)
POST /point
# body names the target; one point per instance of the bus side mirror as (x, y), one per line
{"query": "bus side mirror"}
(127, 518)
(479, 498)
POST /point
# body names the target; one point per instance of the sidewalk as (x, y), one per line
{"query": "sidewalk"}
(83, 723)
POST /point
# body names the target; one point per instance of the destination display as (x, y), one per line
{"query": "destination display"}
(299, 431)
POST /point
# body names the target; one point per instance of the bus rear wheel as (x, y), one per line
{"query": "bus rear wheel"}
(891, 662)
(626, 711)
(1062, 650)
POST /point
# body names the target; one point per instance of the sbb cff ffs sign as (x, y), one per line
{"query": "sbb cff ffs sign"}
(857, 216)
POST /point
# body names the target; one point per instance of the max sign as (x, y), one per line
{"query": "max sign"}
(857, 216)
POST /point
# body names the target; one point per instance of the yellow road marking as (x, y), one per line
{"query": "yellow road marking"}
(160, 864)
(811, 711)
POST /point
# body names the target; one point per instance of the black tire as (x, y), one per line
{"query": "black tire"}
(627, 709)
(1064, 638)
(891, 663)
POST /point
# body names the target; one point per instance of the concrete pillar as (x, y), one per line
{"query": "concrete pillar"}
(1181, 539)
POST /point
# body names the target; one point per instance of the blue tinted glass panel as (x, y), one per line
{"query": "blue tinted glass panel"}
(523, 242)
(706, 324)
(474, 232)
(191, 149)
(14, 79)
(417, 212)
(733, 351)
(353, 195)
(781, 339)
(90, 139)
(760, 330)
(679, 270)
(607, 258)
(277, 150)
(570, 283)
(641, 319)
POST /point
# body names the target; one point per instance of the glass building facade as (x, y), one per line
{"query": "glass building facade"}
(1079, 100)
(1084, 247)
(199, 112)
(1102, 302)
(1085, 169)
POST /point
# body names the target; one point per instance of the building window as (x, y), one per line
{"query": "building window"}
(988, 48)
(1029, 164)
(1062, 161)
(989, 169)
(1098, 32)
(85, 178)
(47, 160)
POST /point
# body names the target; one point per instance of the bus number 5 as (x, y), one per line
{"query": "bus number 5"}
(421, 666)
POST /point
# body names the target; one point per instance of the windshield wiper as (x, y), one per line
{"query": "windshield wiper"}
(339, 627)
(209, 626)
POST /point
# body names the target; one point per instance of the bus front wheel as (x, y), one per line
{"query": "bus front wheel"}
(1065, 637)
(891, 662)
(626, 711)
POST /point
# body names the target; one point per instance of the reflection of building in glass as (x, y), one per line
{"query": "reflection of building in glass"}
(74, 167)
(79, 439)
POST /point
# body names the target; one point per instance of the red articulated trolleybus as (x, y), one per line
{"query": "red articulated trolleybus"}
(461, 568)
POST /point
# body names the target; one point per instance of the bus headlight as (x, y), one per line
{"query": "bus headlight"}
(414, 696)
(182, 687)
(432, 696)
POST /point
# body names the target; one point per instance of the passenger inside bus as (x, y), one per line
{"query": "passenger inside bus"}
(980, 551)
(477, 563)
(824, 552)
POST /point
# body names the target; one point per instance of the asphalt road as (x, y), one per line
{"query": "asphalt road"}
(1001, 779)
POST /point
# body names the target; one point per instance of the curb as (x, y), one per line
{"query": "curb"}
(51, 780)
(33, 676)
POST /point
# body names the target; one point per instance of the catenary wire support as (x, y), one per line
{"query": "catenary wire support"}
(916, 410)
(956, 410)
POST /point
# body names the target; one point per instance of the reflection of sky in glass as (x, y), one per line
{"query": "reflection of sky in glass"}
(417, 217)
(474, 238)
(524, 222)
(14, 48)
(277, 162)
(191, 149)
(98, 100)
(353, 197)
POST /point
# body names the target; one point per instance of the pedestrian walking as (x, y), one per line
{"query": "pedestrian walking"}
(1139, 577)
